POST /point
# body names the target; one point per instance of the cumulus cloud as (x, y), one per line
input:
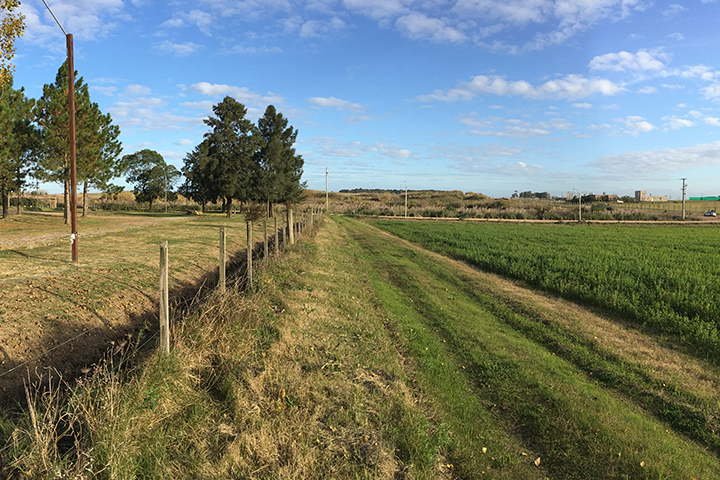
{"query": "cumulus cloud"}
(675, 123)
(569, 87)
(643, 60)
(635, 125)
(647, 89)
(179, 49)
(86, 19)
(581, 105)
(320, 28)
(514, 128)
(241, 94)
(336, 104)
(332, 148)
(417, 26)
(665, 160)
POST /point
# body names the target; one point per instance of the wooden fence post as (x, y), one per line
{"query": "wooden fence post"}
(249, 255)
(222, 259)
(290, 226)
(277, 245)
(164, 299)
(265, 240)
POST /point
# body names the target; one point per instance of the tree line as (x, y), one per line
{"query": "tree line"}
(36, 140)
(254, 165)
(237, 161)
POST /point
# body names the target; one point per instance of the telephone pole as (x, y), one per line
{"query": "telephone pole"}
(406, 195)
(71, 128)
(327, 199)
(683, 197)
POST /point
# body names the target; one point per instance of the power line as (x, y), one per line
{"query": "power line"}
(53, 15)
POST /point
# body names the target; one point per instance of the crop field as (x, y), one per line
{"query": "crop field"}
(664, 277)
(56, 314)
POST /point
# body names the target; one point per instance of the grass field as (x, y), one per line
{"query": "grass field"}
(665, 277)
(47, 300)
(364, 356)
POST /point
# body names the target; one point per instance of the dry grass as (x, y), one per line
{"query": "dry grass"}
(299, 379)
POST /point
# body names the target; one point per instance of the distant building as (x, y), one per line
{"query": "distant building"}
(642, 196)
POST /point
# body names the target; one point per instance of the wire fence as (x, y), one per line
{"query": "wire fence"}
(64, 319)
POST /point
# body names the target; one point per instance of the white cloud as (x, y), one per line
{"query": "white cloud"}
(85, 19)
(179, 49)
(320, 28)
(379, 9)
(241, 94)
(665, 160)
(677, 36)
(569, 87)
(635, 125)
(264, 50)
(417, 26)
(173, 23)
(713, 91)
(647, 89)
(513, 128)
(713, 121)
(643, 60)
(336, 103)
(203, 20)
(137, 90)
(185, 142)
(675, 123)
(581, 105)
(332, 148)
(673, 10)
(107, 91)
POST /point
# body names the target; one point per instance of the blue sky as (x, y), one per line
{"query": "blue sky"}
(488, 96)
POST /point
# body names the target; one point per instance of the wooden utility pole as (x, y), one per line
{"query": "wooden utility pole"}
(327, 198)
(406, 195)
(683, 197)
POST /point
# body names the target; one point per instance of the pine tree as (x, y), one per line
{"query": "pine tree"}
(232, 145)
(20, 142)
(97, 147)
(198, 184)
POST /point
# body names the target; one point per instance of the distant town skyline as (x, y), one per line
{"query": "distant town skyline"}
(486, 96)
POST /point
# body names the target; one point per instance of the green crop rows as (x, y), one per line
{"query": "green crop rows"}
(666, 277)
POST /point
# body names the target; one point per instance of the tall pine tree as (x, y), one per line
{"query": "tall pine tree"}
(20, 142)
(97, 147)
(232, 145)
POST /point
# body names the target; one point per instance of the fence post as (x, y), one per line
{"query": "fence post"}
(222, 259)
(164, 299)
(277, 245)
(249, 255)
(290, 226)
(265, 241)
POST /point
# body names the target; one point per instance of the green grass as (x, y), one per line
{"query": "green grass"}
(523, 381)
(666, 277)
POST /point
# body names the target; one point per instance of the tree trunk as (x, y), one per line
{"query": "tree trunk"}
(85, 198)
(151, 200)
(19, 196)
(66, 209)
(203, 206)
(5, 201)
(228, 207)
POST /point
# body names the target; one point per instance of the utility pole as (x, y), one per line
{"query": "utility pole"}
(683, 197)
(406, 195)
(71, 126)
(327, 198)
